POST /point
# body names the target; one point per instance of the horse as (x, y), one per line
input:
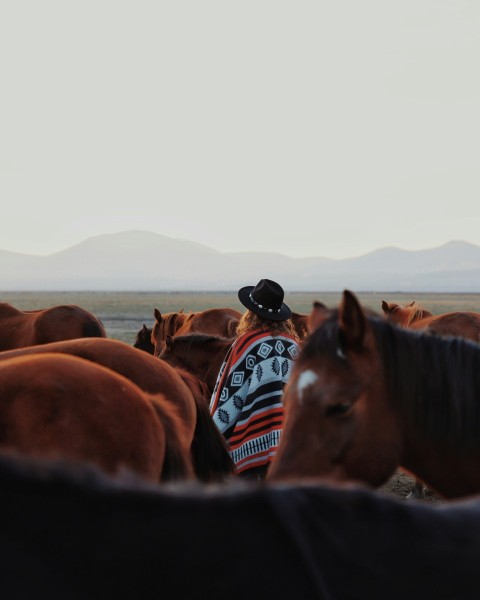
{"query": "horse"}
(20, 328)
(214, 321)
(209, 452)
(366, 396)
(54, 405)
(460, 323)
(82, 534)
(143, 340)
(199, 354)
(463, 324)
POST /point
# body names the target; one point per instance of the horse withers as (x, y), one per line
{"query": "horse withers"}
(366, 397)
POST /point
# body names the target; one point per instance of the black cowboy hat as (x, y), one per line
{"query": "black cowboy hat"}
(265, 300)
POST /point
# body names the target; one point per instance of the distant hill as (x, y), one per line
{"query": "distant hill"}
(144, 261)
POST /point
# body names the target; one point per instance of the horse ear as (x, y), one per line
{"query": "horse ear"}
(317, 316)
(180, 312)
(410, 305)
(169, 342)
(385, 307)
(352, 322)
(157, 314)
(145, 328)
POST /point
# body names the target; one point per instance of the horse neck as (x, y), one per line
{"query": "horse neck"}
(438, 469)
(433, 384)
(207, 363)
(176, 324)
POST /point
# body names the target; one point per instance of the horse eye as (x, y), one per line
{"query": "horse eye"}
(336, 410)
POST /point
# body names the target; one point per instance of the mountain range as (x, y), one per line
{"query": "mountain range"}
(145, 261)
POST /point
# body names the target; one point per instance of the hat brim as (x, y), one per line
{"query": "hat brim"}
(244, 297)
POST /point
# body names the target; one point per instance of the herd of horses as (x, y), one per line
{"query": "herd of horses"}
(369, 393)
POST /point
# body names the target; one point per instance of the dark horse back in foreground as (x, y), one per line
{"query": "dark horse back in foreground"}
(81, 535)
(366, 396)
(20, 328)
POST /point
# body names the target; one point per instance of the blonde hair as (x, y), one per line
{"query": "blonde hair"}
(251, 322)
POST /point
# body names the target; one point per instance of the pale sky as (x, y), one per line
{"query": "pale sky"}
(309, 128)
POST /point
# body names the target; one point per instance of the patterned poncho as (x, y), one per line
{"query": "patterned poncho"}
(246, 404)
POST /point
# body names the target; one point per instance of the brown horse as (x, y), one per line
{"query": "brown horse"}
(209, 453)
(214, 321)
(20, 328)
(366, 396)
(54, 405)
(462, 323)
(199, 354)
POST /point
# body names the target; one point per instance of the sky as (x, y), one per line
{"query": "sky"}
(308, 128)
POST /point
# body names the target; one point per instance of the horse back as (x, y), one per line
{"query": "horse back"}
(214, 321)
(148, 373)
(66, 322)
(27, 328)
(55, 405)
(460, 324)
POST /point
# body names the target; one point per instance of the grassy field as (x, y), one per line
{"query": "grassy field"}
(123, 313)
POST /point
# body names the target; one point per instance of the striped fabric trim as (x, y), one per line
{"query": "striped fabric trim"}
(255, 425)
(259, 451)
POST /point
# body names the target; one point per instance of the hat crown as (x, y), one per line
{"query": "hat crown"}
(268, 294)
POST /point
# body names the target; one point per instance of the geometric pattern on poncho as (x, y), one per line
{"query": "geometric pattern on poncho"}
(247, 404)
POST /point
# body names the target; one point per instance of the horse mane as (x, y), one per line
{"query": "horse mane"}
(434, 381)
(415, 313)
(171, 323)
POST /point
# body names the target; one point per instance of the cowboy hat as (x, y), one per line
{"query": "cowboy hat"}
(266, 300)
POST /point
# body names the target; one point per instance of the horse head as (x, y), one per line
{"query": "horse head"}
(334, 418)
(167, 324)
(143, 340)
